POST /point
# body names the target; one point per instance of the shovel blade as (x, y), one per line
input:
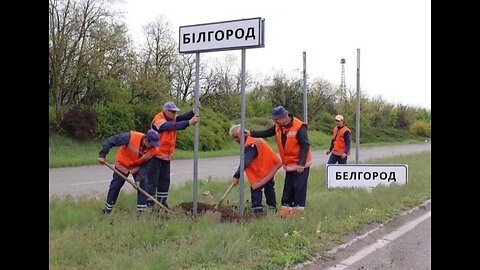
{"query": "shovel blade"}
(213, 214)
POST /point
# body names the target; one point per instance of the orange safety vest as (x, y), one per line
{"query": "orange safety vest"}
(290, 154)
(167, 138)
(264, 166)
(130, 154)
(339, 140)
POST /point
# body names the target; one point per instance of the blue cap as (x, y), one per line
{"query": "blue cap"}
(152, 137)
(170, 106)
(278, 112)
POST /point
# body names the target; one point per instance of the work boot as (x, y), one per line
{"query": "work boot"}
(284, 211)
(150, 204)
(166, 205)
(259, 214)
(287, 211)
(139, 214)
(272, 209)
(163, 201)
(298, 211)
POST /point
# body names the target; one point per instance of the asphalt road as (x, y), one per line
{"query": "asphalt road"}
(400, 244)
(93, 180)
(411, 250)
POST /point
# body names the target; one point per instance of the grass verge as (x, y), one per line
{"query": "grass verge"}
(81, 238)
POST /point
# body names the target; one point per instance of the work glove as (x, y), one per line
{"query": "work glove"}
(101, 160)
(300, 168)
(195, 119)
(235, 181)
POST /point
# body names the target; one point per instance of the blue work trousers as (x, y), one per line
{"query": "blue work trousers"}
(158, 178)
(295, 189)
(269, 190)
(334, 159)
(117, 183)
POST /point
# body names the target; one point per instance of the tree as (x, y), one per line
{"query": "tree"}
(221, 87)
(183, 76)
(379, 113)
(153, 68)
(82, 35)
(107, 66)
(321, 98)
(159, 49)
(406, 115)
(286, 92)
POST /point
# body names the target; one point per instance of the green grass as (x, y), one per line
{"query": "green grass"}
(81, 238)
(66, 152)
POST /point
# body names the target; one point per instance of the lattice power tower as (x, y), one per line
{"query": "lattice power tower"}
(342, 83)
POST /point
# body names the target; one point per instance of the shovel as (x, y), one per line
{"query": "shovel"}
(136, 187)
(214, 214)
(223, 197)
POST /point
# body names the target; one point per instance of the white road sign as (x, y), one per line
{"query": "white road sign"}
(365, 175)
(219, 36)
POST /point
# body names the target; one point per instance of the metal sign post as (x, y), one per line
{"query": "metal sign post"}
(242, 137)
(195, 142)
(221, 36)
(305, 111)
(357, 133)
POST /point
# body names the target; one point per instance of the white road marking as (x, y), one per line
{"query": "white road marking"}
(96, 182)
(380, 243)
(342, 246)
(88, 183)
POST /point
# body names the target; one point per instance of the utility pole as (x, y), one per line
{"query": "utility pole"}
(305, 111)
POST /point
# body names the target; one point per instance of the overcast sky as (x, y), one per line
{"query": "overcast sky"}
(394, 38)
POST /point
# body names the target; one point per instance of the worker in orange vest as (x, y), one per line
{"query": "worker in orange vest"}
(294, 149)
(136, 149)
(340, 145)
(166, 123)
(261, 164)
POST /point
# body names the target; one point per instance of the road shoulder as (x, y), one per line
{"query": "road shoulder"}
(367, 236)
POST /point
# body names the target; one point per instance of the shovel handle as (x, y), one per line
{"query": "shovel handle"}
(136, 187)
(224, 195)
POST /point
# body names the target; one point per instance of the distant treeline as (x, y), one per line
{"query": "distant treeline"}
(101, 83)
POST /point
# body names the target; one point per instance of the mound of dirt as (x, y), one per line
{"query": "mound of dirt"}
(224, 213)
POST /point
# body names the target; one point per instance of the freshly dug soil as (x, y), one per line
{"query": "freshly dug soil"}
(228, 213)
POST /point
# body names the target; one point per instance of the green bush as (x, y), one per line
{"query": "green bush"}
(420, 128)
(371, 135)
(114, 118)
(213, 132)
(144, 115)
(319, 139)
(257, 107)
(324, 123)
(223, 103)
(257, 123)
